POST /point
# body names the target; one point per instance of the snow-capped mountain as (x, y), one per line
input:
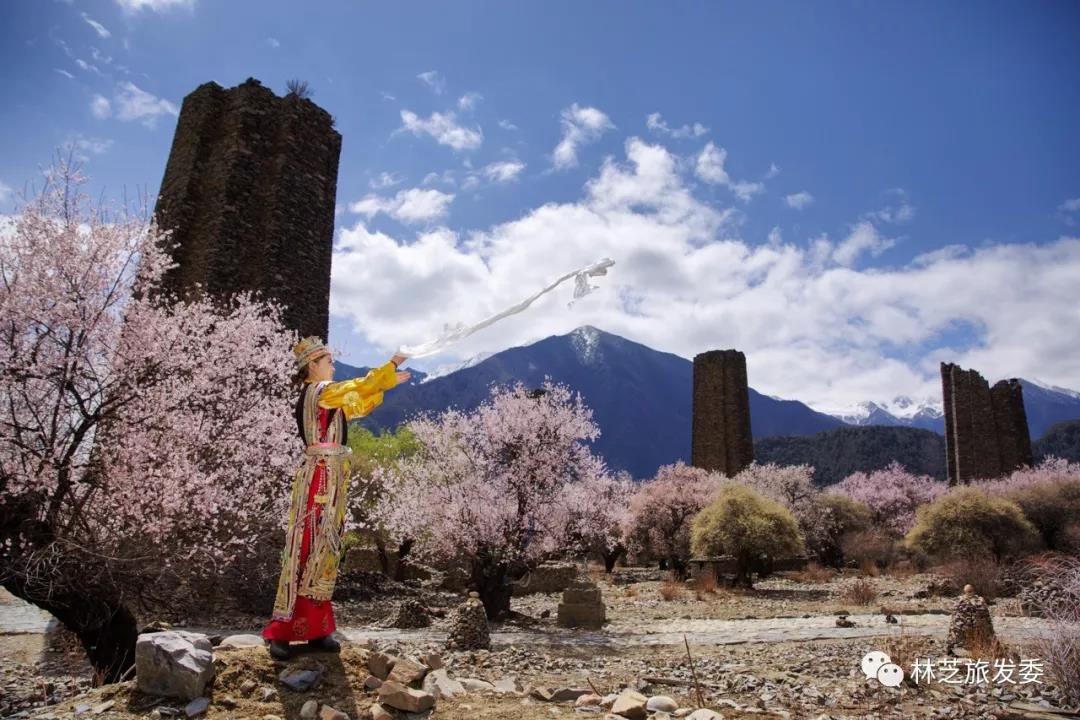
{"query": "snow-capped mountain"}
(901, 411)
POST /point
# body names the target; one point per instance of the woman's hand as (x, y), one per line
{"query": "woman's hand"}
(402, 376)
(398, 360)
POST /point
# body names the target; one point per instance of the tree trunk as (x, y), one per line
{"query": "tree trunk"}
(493, 586)
(403, 551)
(612, 557)
(104, 626)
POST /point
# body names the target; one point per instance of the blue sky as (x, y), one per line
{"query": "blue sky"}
(848, 192)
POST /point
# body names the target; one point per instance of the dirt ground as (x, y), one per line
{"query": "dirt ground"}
(818, 678)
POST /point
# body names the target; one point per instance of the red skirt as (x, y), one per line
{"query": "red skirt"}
(311, 619)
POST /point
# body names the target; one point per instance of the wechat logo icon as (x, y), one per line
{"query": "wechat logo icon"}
(877, 664)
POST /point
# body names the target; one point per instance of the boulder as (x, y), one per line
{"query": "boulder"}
(404, 698)
(173, 664)
(407, 672)
(309, 710)
(440, 684)
(232, 642)
(630, 704)
(326, 712)
(380, 665)
(661, 703)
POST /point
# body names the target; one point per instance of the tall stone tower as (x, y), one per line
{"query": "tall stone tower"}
(986, 430)
(721, 416)
(249, 194)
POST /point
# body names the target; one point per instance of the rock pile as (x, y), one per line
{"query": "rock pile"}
(409, 613)
(469, 626)
(174, 664)
(581, 606)
(970, 626)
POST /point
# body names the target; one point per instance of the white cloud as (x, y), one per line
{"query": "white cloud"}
(388, 97)
(656, 123)
(100, 57)
(444, 128)
(134, 6)
(65, 73)
(87, 66)
(503, 171)
(134, 103)
(6, 193)
(433, 80)
(412, 206)
(580, 126)
(1071, 205)
(385, 180)
(774, 170)
(468, 101)
(800, 200)
(863, 237)
(100, 107)
(273, 42)
(507, 125)
(898, 210)
(684, 282)
(710, 168)
(100, 29)
(86, 146)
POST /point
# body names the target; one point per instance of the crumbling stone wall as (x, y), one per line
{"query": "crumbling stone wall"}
(721, 439)
(986, 430)
(249, 193)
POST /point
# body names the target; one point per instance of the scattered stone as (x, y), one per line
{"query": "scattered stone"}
(407, 672)
(409, 613)
(433, 661)
(469, 626)
(229, 703)
(661, 703)
(173, 664)
(542, 694)
(506, 685)
(380, 665)
(704, 714)
(248, 686)
(440, 685)
(197, 707)
(398, 696)
(98, 709)
(474, 685)
(630, 704)
(581, 606)
(372, 683)
(592, 699)
(378, 712)
(568, 694)
(301, 680)
(309, 710)
(271, 717)
(891, 619)
(268, 694)
(233, 642)
(843, 622)
(326, 712)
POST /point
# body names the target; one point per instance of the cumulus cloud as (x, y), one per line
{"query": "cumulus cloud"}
(800, 200)
(503, 171)
(656, 123)
(412, 206)
(100, 29)
(444, 128)
(433, 80)
(813, 328)
(134, 6)
(580, 126)
(100, 107)
(134, 103)
(710, 168)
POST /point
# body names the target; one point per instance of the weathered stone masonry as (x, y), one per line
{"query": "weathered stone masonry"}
(249, 193)
(986, 430)
(722, 439)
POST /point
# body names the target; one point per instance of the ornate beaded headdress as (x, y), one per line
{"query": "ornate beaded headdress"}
(308, 349)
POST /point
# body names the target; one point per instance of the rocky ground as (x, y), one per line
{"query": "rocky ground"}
(531, 657)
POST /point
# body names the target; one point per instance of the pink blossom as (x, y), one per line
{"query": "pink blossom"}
(892, 494)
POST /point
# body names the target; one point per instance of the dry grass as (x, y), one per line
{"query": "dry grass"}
(903, 649)
(672, 590)
(983, 574)
(705, 585)
(902, 570)
(868, 568)
(814, 573)
(630, 591)
(860, 592)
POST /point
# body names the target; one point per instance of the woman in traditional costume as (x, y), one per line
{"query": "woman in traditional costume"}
(309, 562)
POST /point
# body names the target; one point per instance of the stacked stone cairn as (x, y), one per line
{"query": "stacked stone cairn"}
(409, 613)
(971, 627)
(469, 626)
(581, 606)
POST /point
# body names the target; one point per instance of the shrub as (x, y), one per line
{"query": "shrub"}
(1060, 649)
(814, 573)
(860, 592)
(745, 525)
(671, 589)
(870, 548)
(982, 573)
(968, 523)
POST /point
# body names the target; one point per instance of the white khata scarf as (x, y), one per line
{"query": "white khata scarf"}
(452, 334)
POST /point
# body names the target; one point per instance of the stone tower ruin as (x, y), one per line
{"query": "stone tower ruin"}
(721, 413)
(986, 430)
(249, 194)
